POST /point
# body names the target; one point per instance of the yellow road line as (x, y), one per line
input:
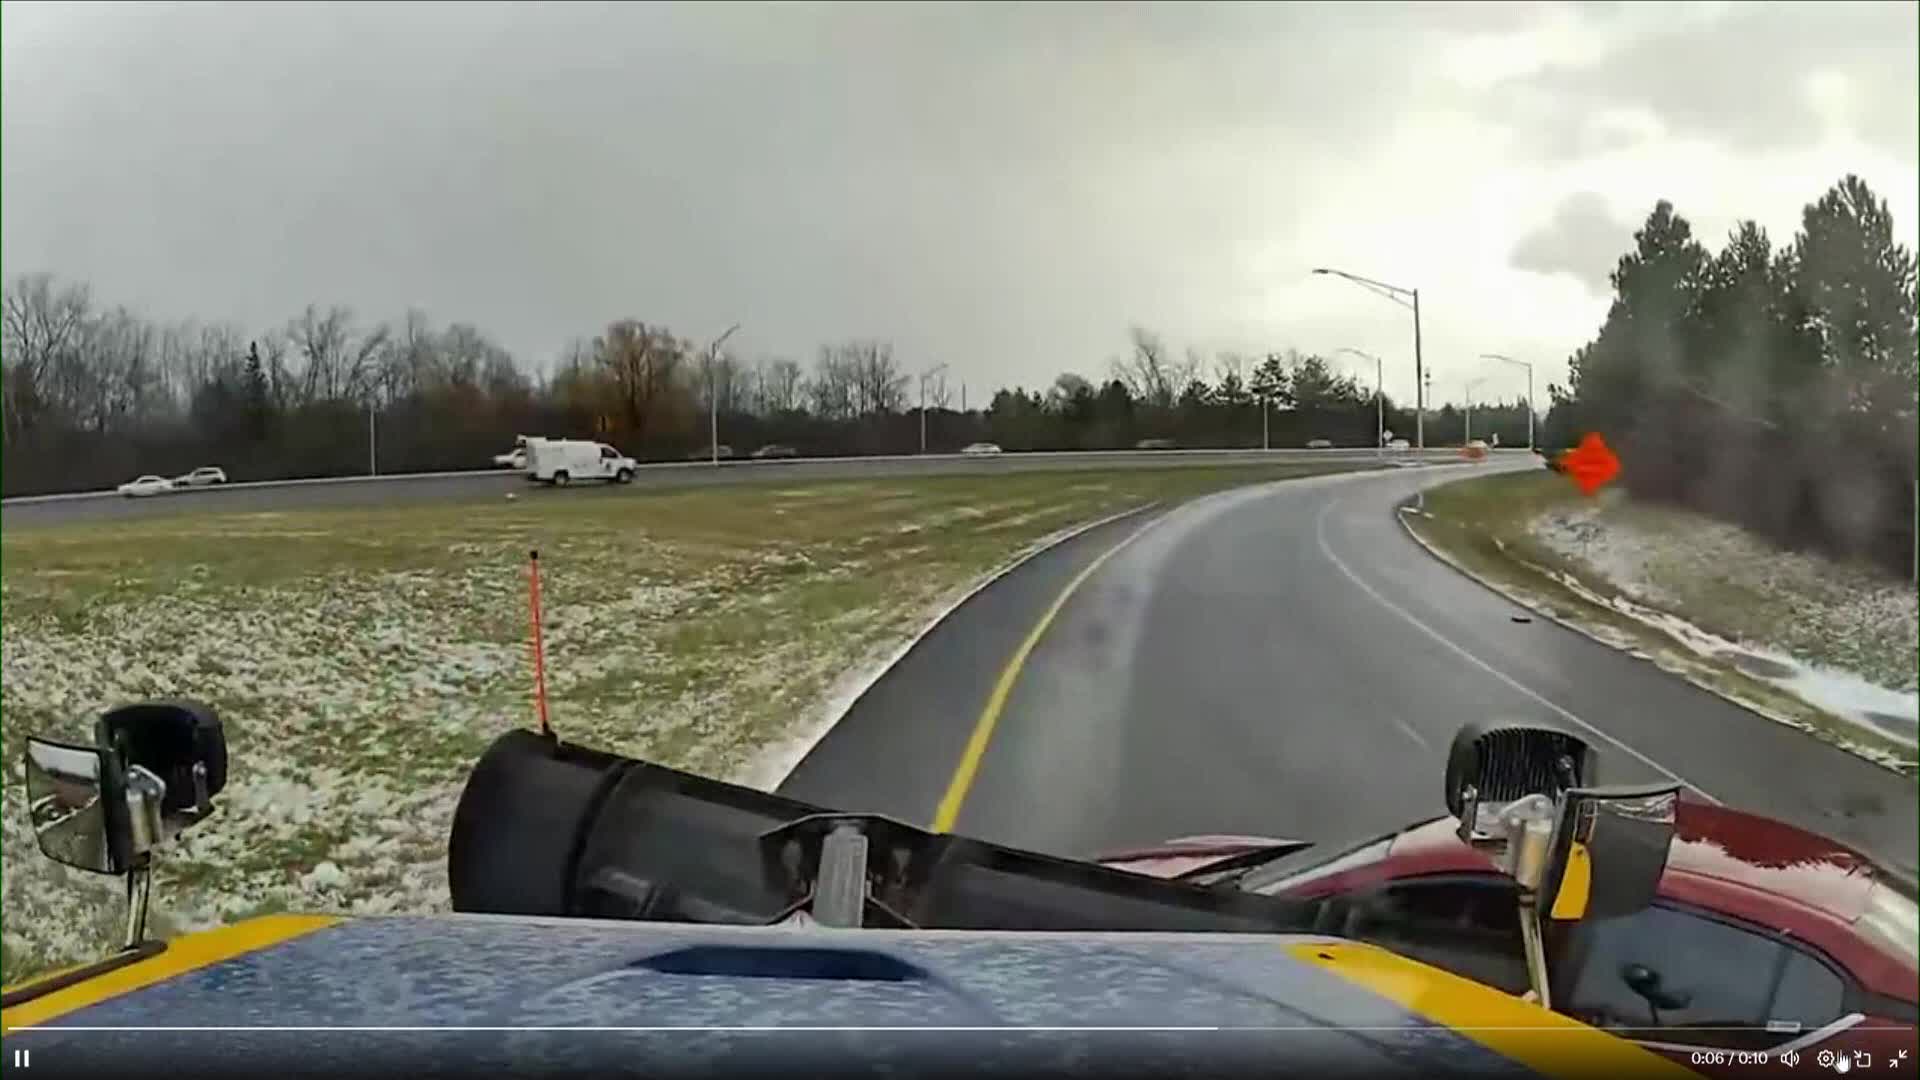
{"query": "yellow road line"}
(957, 788)
(1546, 1042)
(183, 954)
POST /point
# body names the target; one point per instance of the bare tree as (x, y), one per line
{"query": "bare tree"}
(368, 367)
(412, 362)
(780, 386)
(1188, 370)
(125, 376)
(879, 386)
(1146, 371)
(320, 342)
(42, 328)
(832, 390)
(283, 383)
(645, 364)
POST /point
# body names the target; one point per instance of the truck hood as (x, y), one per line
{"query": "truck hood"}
(467, 992)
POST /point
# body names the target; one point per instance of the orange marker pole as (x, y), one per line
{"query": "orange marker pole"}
(539, 651)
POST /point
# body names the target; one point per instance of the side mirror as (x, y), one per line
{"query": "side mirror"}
(1609, 850)
(67, 805)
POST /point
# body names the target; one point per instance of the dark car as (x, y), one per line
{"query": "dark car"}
(776, 450)
(1841, 933)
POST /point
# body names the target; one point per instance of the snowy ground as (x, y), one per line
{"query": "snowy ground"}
(1841, 637)
(1817, 644)
(361, 660)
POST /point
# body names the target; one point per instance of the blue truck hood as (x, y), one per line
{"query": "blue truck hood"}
(466, 993)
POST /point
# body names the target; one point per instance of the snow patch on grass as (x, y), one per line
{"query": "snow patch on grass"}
(1778, 687)
(1812, 611)
(1841, 693)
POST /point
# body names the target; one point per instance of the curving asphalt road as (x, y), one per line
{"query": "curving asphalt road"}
(1284, 660)
(420, 487)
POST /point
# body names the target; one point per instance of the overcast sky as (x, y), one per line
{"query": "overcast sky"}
(1004, 188)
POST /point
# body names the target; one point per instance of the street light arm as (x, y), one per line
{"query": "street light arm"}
(1530, 406)
(1403, 297)
(1409, 299)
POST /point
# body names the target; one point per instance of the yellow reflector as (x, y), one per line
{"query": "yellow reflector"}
(1575, 885)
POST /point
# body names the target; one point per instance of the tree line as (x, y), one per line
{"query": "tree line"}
(1773, 387)
(92, 395)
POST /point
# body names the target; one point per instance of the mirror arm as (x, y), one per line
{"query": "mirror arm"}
(139, 884)
(1535, 946)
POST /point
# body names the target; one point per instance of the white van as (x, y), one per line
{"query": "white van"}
(562, 461)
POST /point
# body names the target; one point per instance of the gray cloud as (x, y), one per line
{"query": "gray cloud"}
(1582, 240)
(1003, 187)
(1739, 77)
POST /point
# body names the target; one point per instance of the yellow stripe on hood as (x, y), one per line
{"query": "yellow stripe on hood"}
(184, 954)
(1542, 1040)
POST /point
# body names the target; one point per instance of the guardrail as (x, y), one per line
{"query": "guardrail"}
(777, 463)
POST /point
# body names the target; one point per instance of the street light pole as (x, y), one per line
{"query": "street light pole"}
(713, 394)
(1379, 398)
(1529, 367)
(1405, 298)
(373, 457)
(1420, 406)
(924, 376)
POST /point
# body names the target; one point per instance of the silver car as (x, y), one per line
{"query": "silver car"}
(145, 485)
(204, 476)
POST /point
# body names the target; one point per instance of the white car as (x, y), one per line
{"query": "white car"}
(512, 459)
(981, 448)
(203, 476)
(146, 485)
(1319, 444)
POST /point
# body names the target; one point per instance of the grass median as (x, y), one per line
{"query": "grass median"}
(361, 659)
(1698, 597)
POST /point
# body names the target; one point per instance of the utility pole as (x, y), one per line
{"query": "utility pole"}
(1264, 444)
(373, 456)
(713, 394)
(1405, 298)
(924, 376)
(1419, 371)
